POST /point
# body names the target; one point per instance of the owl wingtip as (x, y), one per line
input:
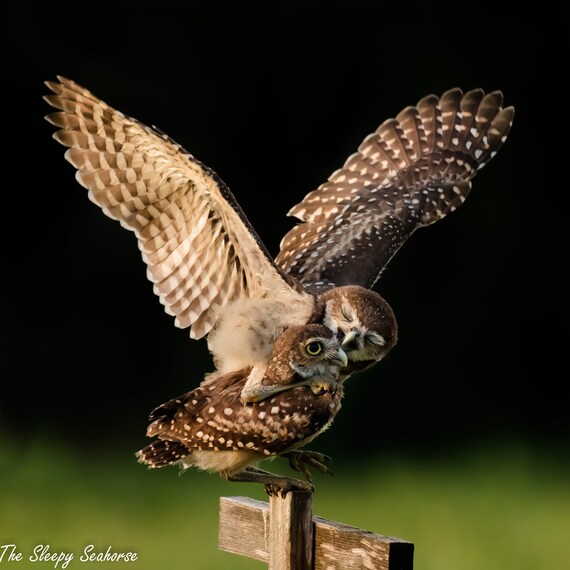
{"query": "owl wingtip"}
(62, 79)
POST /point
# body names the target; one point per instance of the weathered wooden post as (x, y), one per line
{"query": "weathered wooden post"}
(285, 534)
(291, 531)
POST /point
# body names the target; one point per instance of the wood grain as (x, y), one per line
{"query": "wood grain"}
(278, 534)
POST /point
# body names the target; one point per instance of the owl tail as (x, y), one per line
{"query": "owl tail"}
(162, 452)
(439, 145)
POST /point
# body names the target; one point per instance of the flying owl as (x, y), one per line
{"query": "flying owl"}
(213, 429)
(212, 271)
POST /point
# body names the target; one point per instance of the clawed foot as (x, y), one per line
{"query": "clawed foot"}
(274, 484)
(302, 460)
(257, 393)
(283, 487)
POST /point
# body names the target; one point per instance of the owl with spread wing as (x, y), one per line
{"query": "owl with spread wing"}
(211, 270)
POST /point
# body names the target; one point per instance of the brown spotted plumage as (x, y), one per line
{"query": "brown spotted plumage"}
(212, 428)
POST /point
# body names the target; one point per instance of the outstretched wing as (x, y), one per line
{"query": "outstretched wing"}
(411, 172)
(199, 247)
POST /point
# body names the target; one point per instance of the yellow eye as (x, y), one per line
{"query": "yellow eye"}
(314, 348)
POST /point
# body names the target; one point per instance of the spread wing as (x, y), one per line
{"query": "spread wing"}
(411, 172)
(200, 249)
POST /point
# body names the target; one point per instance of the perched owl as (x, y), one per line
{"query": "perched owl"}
(213, 429)
(211, 270)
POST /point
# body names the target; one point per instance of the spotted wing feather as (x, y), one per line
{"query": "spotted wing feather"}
(162, 452)
(199, 247)
(214, 418)
(411, 172)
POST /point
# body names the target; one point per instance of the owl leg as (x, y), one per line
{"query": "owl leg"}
(274, 484)
(301, 460)
(260, 392)
(255, 391)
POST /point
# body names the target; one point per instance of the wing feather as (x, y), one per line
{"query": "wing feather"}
(201, 251)
(411, 172)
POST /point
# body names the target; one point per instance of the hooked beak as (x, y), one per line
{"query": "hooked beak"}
(340, 357)
(348, 342)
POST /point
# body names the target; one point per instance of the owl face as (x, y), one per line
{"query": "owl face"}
(317, 352)
(363, 322)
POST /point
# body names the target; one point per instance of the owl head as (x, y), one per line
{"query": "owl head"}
(313, 351)
(363, 322)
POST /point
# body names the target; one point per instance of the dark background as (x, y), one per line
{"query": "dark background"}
(274, 97)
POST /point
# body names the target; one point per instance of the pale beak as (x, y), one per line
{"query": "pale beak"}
(340, 357)
(348, 341)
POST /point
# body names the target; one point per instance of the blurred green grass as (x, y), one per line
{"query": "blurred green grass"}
(494, 508)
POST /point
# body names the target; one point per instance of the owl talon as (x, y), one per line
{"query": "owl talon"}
(287, 485)
(302, 460)
(259, 393)
(274, 484)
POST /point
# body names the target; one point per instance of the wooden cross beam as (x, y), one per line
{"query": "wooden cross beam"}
(286, 535)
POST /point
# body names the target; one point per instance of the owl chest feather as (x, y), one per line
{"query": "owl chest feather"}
(248, 328)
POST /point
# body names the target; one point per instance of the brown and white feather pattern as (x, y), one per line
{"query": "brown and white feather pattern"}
(200, 249)
(411, 172)
(213, 429)
(214, 419)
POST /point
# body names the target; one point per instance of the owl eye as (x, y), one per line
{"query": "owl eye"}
(314, 348)
(346, 313)
(375, 339)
